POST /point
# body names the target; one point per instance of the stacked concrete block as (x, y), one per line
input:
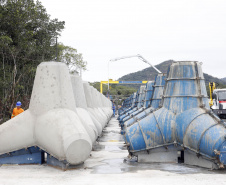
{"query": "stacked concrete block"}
(94, 104)
(106, 106)
(60, 120)
(81, 107)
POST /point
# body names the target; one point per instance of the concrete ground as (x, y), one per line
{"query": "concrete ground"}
(108, 165)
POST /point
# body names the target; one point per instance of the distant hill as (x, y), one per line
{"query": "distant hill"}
(224, 79)
(149, 74)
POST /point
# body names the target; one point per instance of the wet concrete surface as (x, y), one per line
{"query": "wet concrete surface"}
(112, 142)
(108, 165)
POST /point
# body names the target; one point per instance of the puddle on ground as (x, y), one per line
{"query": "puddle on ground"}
(112, 148)
(109, 136)
(122, 165)
(117, 166)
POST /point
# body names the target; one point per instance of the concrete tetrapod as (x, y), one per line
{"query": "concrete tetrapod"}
(81, 103)
(105, 106)
(184, 123)
(104, 109)
(94, 119)
(96, 104)
(51, 122)
(90, 104)
(81, 107)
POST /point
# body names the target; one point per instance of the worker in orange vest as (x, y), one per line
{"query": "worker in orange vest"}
(17, 110)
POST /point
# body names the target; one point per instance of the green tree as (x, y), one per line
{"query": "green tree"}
(118, 92)
(69, 56)
(27, 37)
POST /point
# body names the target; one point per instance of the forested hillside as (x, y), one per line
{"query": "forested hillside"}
(117, 92)
(149, 74)
(224, 79)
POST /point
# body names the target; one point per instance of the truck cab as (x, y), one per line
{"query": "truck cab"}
(219, 102)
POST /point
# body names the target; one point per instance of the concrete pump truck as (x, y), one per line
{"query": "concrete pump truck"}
(217, 100)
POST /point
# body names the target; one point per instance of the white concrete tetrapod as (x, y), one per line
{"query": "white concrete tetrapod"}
(105, 106)
(81, 107)
(97, 104)
(91, 104)
(51, 122)
(90, 110)
(94, 93)
(100, 104)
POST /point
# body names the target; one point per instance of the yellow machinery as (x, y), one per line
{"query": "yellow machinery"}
(212, 86)
(217, 100)
(119, 82)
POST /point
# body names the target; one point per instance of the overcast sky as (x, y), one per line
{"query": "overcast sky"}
(159, 30)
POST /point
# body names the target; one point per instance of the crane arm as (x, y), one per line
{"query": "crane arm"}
(119, 58)
(140, 57)
(144, 60)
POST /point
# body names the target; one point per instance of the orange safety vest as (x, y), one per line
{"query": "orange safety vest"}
(16, 111)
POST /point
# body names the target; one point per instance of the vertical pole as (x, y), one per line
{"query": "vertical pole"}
(101, 88)
(56, 49)
(108, 75)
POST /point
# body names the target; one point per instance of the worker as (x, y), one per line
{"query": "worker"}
(113, 108)
(17, 110)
